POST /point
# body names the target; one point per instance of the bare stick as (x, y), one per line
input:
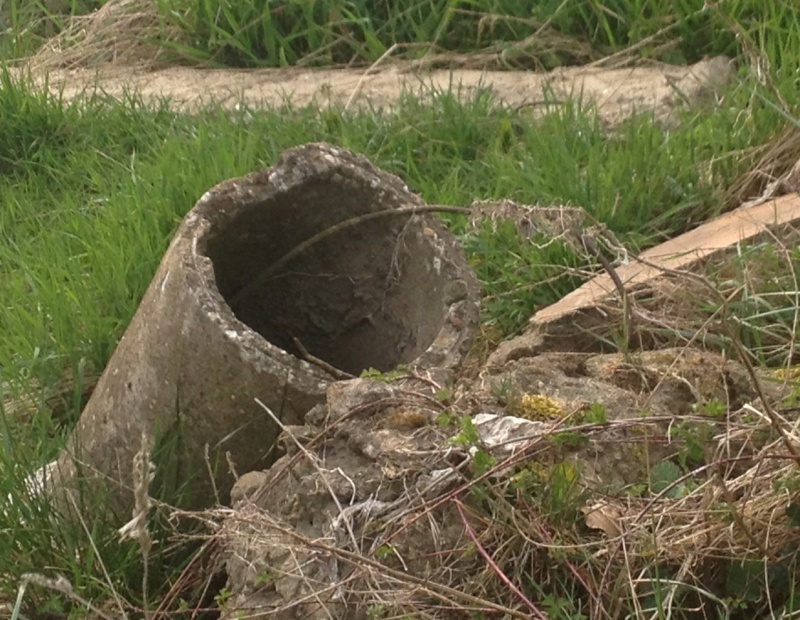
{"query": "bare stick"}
(495, 568)
(313, 359)
(628, 326)
(373, 67)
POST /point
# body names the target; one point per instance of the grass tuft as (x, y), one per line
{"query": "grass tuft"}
(492, 33)
(546, 34)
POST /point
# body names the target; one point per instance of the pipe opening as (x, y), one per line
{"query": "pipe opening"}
(369, 296)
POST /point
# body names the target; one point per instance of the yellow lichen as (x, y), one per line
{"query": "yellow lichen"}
(528, 475)
(792, 373)
(538, 407)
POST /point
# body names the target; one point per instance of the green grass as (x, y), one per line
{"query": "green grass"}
(508, 33)
(91, 191)
(542, 33)
(26, 24)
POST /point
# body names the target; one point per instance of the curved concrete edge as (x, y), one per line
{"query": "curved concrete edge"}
(186, 373)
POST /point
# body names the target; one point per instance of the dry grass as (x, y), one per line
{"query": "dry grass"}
(521, 535)
(770, 174)
(483, 543)
(514, 536)
(132, 33)
(127, 33)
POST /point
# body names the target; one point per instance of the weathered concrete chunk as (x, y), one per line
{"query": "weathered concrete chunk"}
(282, 539)
(271, 289)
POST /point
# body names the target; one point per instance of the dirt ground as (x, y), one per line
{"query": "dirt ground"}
(617, 93)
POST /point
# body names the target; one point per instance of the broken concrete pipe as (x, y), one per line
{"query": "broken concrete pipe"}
(251, 288)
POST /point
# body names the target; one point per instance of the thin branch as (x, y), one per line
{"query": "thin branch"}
(273, 268)
(493, 565)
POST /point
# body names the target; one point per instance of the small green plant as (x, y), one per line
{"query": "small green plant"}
(695, 438)
(264, 578)
(595, 413)
(562, 608)
(469, 434)
(385, 551)
(793, 512)
(388, 376)
(376, 612)
(222, 597)
(555, 488)
(528, 479)
(745, 582)
(568, 440)
(714, 408)
(563, 493)
(444, 395)
(482, 461)
(789, 483)
(505, 391)
(447, 419)
(665, 477)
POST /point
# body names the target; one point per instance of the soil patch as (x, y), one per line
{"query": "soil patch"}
(616, 93)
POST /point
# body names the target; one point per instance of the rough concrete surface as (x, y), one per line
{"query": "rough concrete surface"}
(303, 538)
(236, 314)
